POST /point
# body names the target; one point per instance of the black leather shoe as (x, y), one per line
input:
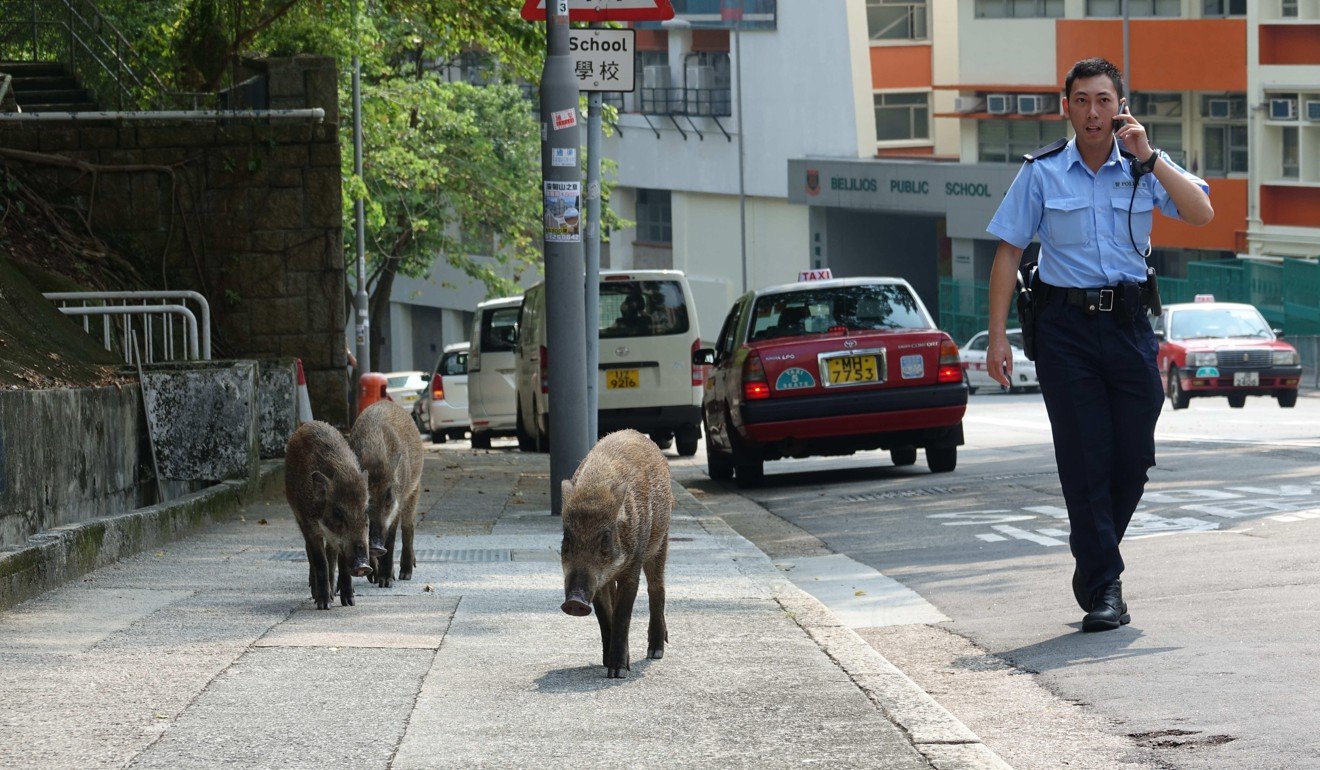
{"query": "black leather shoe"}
(1079, 590)
(1109, 611)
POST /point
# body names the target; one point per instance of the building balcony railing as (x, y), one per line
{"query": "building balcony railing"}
(692, 102)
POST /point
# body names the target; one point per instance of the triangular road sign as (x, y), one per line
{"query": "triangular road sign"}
(604, 10)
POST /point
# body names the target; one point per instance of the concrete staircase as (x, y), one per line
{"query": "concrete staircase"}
(47, 87)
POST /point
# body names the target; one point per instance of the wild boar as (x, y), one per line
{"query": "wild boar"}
(327, 491)
(616, 525)
(389, 448)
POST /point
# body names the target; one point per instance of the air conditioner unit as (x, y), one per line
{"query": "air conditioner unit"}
(969, 104)
(1034, 104)
(1219, 108)
(1283, 109)
(1000, 104)
(1313, 110)
(655, 89)
(700, 89)
(655, 76)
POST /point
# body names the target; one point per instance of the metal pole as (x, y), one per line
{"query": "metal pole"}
(592, 283)
(742, 130)
(564, 274)
(1127, 54)
(363, 329)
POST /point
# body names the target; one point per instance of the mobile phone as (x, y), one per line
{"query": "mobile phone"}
(1119, 122)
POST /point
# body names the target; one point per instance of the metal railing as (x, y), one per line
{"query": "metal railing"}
(693, 102)
(163, 338)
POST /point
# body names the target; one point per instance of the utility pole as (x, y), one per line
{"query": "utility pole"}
(564, 274)
(592, 284)
(362, 330)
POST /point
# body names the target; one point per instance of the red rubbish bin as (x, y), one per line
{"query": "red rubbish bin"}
(371, 388)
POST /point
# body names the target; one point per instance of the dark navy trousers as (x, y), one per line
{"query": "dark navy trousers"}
(1102, 392)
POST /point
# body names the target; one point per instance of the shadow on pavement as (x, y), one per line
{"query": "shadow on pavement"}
(586, 678)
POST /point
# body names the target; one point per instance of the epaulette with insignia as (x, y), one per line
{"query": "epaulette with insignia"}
(1046, 151)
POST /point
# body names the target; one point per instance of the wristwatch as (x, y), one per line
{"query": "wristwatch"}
(1147, 166)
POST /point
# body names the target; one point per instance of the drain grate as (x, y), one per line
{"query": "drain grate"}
(471, 555)
(899, 494)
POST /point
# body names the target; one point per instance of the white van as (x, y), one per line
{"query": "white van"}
(647, 381)
(491, 374)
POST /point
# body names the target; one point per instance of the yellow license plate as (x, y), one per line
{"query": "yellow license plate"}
(616, 379)
(845, 370)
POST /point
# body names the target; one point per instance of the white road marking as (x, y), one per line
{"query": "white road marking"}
(1053, 511)
(859, 596)
(1053, 532)
(1022, 534)
(1285, 518)
(990, 537)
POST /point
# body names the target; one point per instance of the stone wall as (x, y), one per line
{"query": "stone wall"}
(246, 211)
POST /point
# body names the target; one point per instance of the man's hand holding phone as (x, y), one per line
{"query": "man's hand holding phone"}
(1132, 133)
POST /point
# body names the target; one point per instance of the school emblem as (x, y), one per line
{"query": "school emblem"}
(813, 182)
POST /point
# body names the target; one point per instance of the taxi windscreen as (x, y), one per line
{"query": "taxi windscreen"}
(816, 311)
(1211, 323)
(642, 309)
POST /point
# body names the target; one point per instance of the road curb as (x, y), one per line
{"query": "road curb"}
(54, 557)
(937, 734)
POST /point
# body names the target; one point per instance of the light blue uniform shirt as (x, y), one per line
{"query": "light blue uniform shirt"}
(1082, 217)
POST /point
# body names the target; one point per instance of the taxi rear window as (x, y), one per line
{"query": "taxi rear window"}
(815, 311)
(642, 309)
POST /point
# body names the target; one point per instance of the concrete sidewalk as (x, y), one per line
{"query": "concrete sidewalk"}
(208, 652)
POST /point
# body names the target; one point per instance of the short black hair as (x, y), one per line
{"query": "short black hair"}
(1089, 68)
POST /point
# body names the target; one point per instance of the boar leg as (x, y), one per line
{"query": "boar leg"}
(658, 633)
(408, 560)
(385, 563)
(345, 579)
(604, 604)
(624, 596)
(320, 577)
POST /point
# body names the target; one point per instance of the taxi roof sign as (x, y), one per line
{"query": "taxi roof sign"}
(1204, 298)
(821, 274)
(604, 10)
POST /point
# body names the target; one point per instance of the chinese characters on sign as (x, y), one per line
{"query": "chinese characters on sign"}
(603, 58)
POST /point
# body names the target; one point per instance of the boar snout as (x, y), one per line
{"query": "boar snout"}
(377, 548)
(577, 604)
(361, 566)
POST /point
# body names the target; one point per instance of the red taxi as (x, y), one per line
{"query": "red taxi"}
(1210, 348)
(831, 367)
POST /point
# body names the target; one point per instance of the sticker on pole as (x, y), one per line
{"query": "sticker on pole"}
(563, 207)
(604, 10)
(564, 118)
(603, 59)
(563, 157)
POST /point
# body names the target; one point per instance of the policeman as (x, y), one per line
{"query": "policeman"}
(1091, 200)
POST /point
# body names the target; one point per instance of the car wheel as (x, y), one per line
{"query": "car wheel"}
(438, 436)
(687, 447)
(941, 459)
(663, 440)
(1177, 396)
(457, 434)
(718, 464)
(748, 469)
(1237, 401)
(481, 439)
(525, 441)
(904, 455)
(966, 381)
(1287, 398)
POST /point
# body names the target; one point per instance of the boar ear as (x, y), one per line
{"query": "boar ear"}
(320, 488)
(565, 489)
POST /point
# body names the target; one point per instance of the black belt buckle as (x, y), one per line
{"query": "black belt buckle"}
(1106, 300)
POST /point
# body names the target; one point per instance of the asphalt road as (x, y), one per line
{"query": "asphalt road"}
(1219, 666)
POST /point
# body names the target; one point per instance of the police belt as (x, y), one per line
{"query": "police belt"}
(1128, 298)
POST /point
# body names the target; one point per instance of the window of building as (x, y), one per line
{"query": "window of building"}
(708, 83)
(1291, 167)
(902, 116)
(1225, 134)
(1006, 141)
(1135, 8)
(1224, 8)
(657, 92)
(1019, 9)
(894, 20)
(654, 216)
(1288, 9)
(1162, 115)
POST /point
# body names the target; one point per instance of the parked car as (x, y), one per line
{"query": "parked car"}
(442, 411)
(830, 368)
(492, 376)
(647, 379)
(978, 376)
(1210, 348)
(404, 388)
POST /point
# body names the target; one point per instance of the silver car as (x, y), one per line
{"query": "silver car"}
(443, 410)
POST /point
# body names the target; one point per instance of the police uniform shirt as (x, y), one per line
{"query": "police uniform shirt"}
(1082, 216)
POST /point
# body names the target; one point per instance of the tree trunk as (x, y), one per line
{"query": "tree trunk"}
(379, 307)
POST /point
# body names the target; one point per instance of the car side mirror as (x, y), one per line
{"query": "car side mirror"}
(1278, 333)
(1159, 334)
(703, 357)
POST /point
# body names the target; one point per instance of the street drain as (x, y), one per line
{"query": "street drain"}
(469, 555)
(899, 494)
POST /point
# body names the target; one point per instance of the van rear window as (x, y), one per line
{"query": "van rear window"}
(642, 309)
(454, 364)
(499, 330)
(815, 311)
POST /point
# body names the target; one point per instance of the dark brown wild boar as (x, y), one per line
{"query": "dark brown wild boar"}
(327, 491)
(616, 525)
(389, 448)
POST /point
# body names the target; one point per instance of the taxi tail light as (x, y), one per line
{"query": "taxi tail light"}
(754, 384)
(437, 388)
(545, 371)
(950, 369)
(698, 370)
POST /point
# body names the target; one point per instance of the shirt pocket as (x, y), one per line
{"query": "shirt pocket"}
(1143, 216)
(1068, 221)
